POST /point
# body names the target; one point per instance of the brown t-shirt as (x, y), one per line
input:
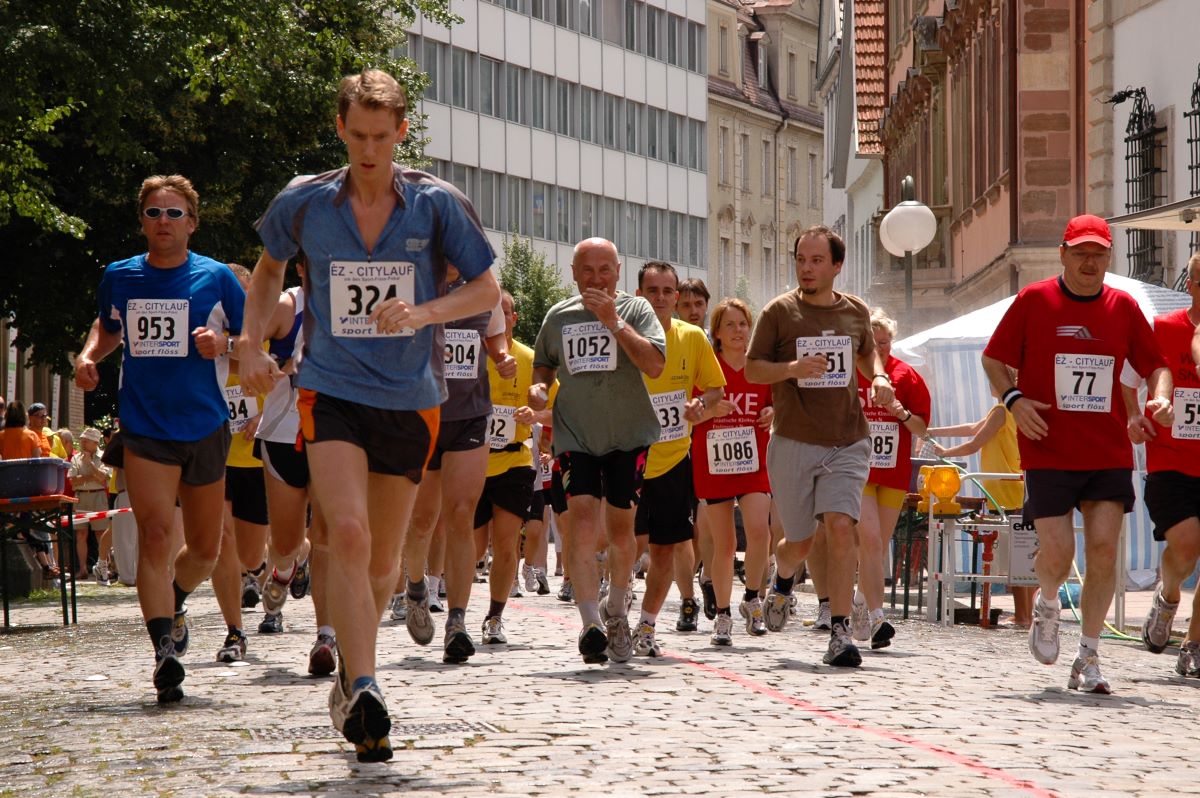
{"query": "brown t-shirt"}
(825, 411)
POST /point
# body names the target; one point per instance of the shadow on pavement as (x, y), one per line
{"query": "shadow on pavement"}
(1060, 695)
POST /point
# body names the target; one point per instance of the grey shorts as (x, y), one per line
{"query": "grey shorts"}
(808, 481)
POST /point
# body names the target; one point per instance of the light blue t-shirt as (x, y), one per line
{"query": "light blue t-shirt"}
(168, 391)
(432, 225)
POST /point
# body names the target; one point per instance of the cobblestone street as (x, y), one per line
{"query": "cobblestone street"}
(944, 711)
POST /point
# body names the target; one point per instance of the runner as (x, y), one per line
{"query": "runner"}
(690, 382)
(1069, 337)
(378, 238)
(455, 477)
(730, 465)
(1173, 485)
(172, 309)
(806, 345)
(599, 344)
(693, 308)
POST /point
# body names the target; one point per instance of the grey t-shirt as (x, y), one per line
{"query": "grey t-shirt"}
(460, 358)
(602, 404)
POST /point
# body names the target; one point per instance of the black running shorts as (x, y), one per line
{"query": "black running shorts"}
(246, 491)
(615, 477)
(511, 491)
(200, 462)
(396, 442)
(1050, 493)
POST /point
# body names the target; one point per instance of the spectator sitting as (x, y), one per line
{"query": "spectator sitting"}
(89, 476)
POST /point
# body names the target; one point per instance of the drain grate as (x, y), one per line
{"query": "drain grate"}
(414, 730)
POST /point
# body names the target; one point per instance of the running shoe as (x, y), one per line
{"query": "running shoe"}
(640, 566)
(752, 612)
(644, 644)
(543, 584)
(481, 571)
(882, 633)
(321, 659)
(234, 649)
(301, 580)
(1156, 630)
(271, 624)
(824, 621)
(842, 653)
(418, 621)
(620, 640)
(399, 607)
(689, 612)
(168, 673)
(515, 590)
(441, 590)
(179, 632)
(1188, 663)
(367, 724)
(860, 618)
(1085, 675)
(792, 602)
(435, 602)
(101, 573)
(775, 610)
(527, 573)
(710, 599)
(339, 701)
(493, 631)
(566, 592)
(250, 591)
(722, 633)
(274, 593)
(558, 569)
(457, 645)
(1043, 632)
(592, 644)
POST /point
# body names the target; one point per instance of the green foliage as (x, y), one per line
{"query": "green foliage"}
(99, 94)
(535, 285)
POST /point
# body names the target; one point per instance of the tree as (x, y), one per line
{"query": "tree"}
(535, 285)
(99, 94)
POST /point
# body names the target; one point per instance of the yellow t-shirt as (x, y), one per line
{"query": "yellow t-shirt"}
(1001, 456)
(241, 409)
(507, 396)
(691, 362)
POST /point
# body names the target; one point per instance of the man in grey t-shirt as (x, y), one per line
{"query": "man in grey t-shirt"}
(599, 344)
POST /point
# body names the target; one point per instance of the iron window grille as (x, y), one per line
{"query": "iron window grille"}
(1145, 141)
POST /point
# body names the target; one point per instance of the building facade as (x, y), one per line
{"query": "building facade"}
(566, 119)
(765, 142)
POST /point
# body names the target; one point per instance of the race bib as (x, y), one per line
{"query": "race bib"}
(733, 450)
(157, 327)
(242, 408)
(838, 351)
(885, 443)
(502, 427)
(589, 346)
(1083, 383)
(670, 406)
(355, 288)
(1187, 415)
(547, 466)
(463, 349)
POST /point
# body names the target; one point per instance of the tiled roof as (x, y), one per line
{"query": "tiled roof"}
(870, 73)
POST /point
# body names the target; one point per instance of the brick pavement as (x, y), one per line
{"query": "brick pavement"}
(946, 711)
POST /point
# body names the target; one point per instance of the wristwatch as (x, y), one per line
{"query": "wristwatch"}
(230, 341)
(621, 325)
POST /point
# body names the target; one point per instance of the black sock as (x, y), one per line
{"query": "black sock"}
(158, 629)
(783, 585)
(233, 630)
(495, 609)
(262, 566)
(722, 610)
(180, 596)
(823, 600)
(456, 614)
(839, 622)
(417, 590)
(751, 595)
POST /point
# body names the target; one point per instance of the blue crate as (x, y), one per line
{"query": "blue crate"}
(34, 476)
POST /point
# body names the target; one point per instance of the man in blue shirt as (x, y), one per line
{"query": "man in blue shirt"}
(378, 239)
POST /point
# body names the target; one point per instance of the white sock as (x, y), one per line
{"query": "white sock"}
(1088, 645)
(1055, 604)
(649, 617)
(589, 612)
(325, 630)
(876, 615)
(285, 575)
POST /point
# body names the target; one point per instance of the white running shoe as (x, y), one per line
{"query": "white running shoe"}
(620, 641)
(722, 633)
(824, 621)
(418, 620)
(752, 611)
(1156, 629)
(776, 611)
(1043, 632)
(1085, 676)
(493, 631)
(399, 607)
(860, 618)
(527, 573)
(644, 644)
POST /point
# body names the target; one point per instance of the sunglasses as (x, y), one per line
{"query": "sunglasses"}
(172, 213)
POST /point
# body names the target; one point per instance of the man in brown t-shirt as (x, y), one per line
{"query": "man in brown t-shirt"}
(806, 345)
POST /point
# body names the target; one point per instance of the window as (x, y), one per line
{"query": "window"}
(612, 122)
(722, 50)
(655, 33)
(743, 162)
(542, 9)
(610, 219)
(490, 200)
(633, 229)
(633, 25)
(614, 22)
(696, 158)
(565, 108)
(791, 74)
(541, 193)
(676, 26)
(654, 132)
(654, 233)
(696, 234)
(516, 81)
(589, 100)
(675, 237)
(490, 97)
(723, 155)
(433, 61)
(768, 181)
(518, 206)
(695, 47)
(541, 101)
(515, 5)
(814, 184)
(762, 63)
(768, 264)
(564, 13)
(812, 76)
(675, 139)
(562, 213)
(589, 216)
(633, 127)
(589, 17)
(463, 178)
(462, 79)
(793, 177)
(724, 264)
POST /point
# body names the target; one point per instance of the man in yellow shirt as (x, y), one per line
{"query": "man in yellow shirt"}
(39, 420)
(664, 514)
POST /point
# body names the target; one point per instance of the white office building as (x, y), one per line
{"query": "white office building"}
(564, 119)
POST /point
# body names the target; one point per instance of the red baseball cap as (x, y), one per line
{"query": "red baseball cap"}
(1087, 229)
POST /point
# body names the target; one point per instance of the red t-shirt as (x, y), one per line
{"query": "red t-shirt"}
(1166, 452)
(891, 442)
(736, 442)
(1068, 352)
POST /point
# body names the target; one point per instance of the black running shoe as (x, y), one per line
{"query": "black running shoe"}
(689, 612)
(271, 624)
(251, 593)
(457, 646)
(179, 632)
(592, 643)
(710, 600)
(168, 676)
(300, 580)
(882, 633)
(367, 725)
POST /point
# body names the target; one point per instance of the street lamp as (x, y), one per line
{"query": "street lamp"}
(907, 228)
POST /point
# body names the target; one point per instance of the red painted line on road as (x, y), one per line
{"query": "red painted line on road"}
(841, 720)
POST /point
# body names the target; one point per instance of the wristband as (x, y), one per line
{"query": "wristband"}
(877, 376)
(1010, 397)
(906, 418)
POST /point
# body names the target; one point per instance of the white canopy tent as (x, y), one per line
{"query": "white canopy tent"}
(948, 357)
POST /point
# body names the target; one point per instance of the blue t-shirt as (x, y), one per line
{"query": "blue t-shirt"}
(168, 391)
(432, 224)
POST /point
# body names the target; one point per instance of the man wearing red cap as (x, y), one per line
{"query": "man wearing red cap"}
(1069, 337)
